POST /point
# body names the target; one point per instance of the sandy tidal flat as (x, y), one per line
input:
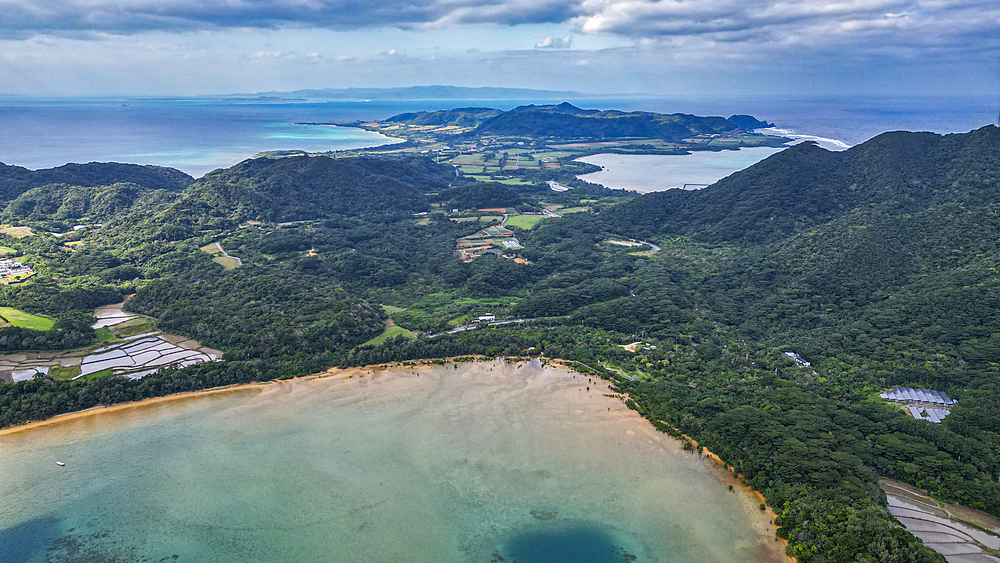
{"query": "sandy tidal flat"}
(486, 462)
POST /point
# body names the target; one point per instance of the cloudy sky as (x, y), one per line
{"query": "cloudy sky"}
(669, 47)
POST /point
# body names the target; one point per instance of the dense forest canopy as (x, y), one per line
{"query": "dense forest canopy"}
(879, 264)
(15, 180)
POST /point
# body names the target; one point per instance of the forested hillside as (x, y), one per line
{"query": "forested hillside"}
(304, 188)
(878, 264)
(62, 202)
(806, 185)
(15, 180)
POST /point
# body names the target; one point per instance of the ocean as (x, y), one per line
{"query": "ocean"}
(200, 134)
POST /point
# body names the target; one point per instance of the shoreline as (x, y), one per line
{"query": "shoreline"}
(333, 373)
(343, 374)
(92, 411)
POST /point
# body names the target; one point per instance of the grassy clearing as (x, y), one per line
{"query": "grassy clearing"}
(212, 249)
(572, 210)
(389, 333)
(25, 320)
(523, 221)
(489, 218)
(227, 262)
(392, 309)
(4, 251)
(17, 232)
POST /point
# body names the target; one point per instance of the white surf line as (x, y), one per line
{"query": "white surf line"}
(828, 144)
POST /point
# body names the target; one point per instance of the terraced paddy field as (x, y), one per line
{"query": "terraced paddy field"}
(961, 534)
(130, 353)
(483, 462)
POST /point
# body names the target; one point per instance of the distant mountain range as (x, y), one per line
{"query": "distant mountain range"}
(422, 93)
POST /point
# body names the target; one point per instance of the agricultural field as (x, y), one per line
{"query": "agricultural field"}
(524, 221)
(5, 251)
(25, 320)
(17, 232)
(491, 240)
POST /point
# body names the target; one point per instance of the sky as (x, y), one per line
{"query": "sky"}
(660, 47)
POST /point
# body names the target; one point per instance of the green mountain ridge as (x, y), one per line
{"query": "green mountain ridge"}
(15, 180)
(806, 185)
(62, 202)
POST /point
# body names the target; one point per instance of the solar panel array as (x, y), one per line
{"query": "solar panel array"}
(933, 415)
(911, 395)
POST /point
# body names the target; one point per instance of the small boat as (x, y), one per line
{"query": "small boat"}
(60, 464)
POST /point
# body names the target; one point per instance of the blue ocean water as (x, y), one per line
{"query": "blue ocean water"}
(199, 135)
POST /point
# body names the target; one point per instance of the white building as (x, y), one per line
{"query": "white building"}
(9, 268)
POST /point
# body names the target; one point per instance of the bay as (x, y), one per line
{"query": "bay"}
(197, 135)
(655, 173)
(486, 461)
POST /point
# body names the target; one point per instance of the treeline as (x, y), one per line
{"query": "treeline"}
(72, 330)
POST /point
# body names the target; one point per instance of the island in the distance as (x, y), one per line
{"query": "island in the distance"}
(532, 143)
(761, 318)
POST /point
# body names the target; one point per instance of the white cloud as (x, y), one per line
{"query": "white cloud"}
(555, 42)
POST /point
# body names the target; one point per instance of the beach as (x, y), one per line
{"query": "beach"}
(449, 462)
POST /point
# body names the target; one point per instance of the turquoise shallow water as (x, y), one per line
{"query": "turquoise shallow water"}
(485, 463)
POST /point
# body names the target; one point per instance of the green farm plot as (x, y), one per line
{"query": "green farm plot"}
(132, 327)
(4, 251)
(468, 159)
(524, 221)
(25, 320)
(60, 372)
(104, 335)
(512, 181)
(389, 333)
(572, 210)
(489, 218)
(392, 309)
